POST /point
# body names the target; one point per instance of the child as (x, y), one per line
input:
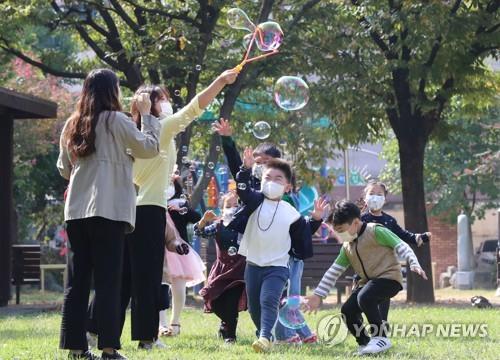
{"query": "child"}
(263, 219)
(180, 271)
(224, 293)
(375, 193)
(261, 154)
(370, 249)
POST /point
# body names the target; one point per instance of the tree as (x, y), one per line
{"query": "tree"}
(461, 160)
(369, 63)
(403, 61)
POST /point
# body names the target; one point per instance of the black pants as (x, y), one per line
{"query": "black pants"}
(226, 308)
(96, 248)
(383, 306)
(142, 274)
(366, 300)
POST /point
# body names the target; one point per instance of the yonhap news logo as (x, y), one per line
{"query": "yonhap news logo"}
(332, 330)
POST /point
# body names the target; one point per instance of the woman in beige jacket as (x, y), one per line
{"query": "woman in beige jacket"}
(100, 207)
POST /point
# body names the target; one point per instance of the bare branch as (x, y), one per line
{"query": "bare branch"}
(45, 68)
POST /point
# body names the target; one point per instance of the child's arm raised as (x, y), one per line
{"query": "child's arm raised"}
(223, 128)
(204, 230)
(243, 188)
(328, 281)
(386, 237)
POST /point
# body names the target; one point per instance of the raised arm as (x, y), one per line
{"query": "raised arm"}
(173, 124)
(223, 128)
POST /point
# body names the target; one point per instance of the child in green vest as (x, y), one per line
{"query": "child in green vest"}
(372, 251)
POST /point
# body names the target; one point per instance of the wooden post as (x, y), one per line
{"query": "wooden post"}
(7, 228)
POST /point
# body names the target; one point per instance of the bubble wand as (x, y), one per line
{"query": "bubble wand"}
(267, 36)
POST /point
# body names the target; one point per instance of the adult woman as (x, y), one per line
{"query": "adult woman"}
(146, 244)
(100, 205)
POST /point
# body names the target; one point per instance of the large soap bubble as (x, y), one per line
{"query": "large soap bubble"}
(291, 93)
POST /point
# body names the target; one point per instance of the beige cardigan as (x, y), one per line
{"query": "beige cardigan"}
(101, 184)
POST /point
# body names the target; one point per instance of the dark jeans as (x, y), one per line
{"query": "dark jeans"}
(264, 288)
(226, 308)
(366, 300)
(142, 274)
(96, 248)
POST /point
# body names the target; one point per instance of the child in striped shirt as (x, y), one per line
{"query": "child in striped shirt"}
(371, 250)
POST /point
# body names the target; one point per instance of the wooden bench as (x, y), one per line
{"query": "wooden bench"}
(25, 266)
(315, 267)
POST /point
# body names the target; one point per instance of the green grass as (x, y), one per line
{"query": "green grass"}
(35, 336)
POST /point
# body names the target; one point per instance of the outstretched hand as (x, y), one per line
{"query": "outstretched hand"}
(248, 157)
(311, 303)
(419, 271)
(222, 127)
(320, 206)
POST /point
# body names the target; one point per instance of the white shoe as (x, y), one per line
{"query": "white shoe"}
(376, 345)
(359, 351)
(159, 344)
(91, 340)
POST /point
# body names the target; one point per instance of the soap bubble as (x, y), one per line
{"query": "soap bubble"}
(246, 40)
(289, 314)
(242, 186)
(269, 36)
(238, 19)
(183, 197)
(128, 151)
(261, 130)
(183, 210)
(198, 67)
(291, 93)
(222, 171)
(211, 165)
(199, 173)
(232, 251)
(217, 148)
(177, 93)
(184, 148)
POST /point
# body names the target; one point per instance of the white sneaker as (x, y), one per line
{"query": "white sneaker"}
(91, 340)
(359, 351)
(376, 345)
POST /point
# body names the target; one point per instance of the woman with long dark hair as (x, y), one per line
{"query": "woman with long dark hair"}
(95, 147)
(145, 247)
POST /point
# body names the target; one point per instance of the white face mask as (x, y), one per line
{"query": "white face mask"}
(166, 109)
(346, 236)
(257, 170)
(272, 190)
(227, 215)
(375, 202)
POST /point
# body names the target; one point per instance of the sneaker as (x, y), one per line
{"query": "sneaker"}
(294, 340)
(85, 355)
(311, 339)
(262, 345)
(157, 344)
(377, 345)
(115, 355)
(359, 351)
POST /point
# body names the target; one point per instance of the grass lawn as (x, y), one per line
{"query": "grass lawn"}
(35, 336)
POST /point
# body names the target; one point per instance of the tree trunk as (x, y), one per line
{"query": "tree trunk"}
(411, 155)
